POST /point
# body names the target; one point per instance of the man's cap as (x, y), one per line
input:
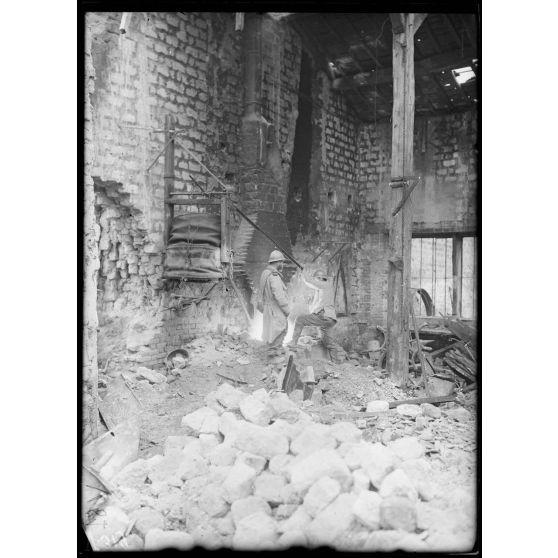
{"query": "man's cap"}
(276, 256)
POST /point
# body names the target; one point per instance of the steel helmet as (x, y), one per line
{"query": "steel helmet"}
(320, 274)
(276, 256)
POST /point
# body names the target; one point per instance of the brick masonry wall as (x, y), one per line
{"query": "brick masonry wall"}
(445, 200)
(265, 186)
(188, 65)
(445, 157)
(281, 56)
(333, 217)
(334, 166)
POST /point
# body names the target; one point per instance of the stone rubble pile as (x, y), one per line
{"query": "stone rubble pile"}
(255, 472)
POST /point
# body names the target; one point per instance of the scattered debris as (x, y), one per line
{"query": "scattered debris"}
(261, 485)
(249, 443)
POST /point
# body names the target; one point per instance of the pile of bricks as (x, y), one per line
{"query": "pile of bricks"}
(254, 471)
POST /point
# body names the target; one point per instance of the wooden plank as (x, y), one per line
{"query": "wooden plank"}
(382, 76)
(457, 266)
(463, 331)
(168, 176)
(421, 400)
(399, 276)
(173, 201)
(444, 349)
(225, 245)
(334, 31)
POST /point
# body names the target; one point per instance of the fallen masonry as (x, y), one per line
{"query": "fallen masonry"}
(255, 472)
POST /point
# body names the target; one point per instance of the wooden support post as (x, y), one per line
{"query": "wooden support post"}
(168, 176)
(399, 276)
(457, 264)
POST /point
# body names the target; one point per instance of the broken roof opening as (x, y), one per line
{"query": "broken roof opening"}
(463, 75)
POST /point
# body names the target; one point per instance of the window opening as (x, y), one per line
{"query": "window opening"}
(432, 271)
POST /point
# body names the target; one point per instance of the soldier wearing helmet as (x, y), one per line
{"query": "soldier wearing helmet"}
(322, 309)
(273, 302)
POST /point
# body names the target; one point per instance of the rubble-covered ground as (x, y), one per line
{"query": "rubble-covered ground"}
(247, 467)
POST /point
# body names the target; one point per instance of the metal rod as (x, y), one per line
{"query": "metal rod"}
(171, 138)
(133, 394)
(199, 161)
(316, 257)
(405, 197)
(282, 250)
(337, 252)
(239, 296)
(196, 183)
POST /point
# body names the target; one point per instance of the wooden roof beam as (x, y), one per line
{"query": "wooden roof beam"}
(310, 44)
(454, 32)
(364, 45)
(418, 20)
(397, 23)
(334, 31)
(467, 32)
(432, 37)
(436, 63)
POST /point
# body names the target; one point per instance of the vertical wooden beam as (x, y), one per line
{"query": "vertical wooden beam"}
(168, 176)
(457, 265)
(399, 274)
(225, 230)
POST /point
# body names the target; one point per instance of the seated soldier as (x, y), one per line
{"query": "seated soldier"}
(322, 310)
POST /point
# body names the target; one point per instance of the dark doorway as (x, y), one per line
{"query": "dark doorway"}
(298, 201)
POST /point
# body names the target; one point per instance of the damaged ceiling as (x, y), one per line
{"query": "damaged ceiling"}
(355, 51)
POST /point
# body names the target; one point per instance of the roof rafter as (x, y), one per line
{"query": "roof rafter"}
(436, 63)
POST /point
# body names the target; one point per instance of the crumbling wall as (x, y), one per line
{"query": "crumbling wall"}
(130, 266)
(183, 64)
(188, 65)
(90, 265)
(281, 59)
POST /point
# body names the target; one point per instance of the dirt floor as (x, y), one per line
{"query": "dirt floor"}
(342, 392)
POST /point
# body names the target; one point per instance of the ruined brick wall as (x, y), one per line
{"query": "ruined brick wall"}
(182, 64)
(281, 55)
(334, 168)
(445, 157)
(333, 191)
(188, 65)
(90, 265)
(265, 186)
